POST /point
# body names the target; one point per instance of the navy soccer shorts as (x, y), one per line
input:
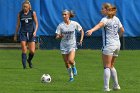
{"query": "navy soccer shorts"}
(27, 36)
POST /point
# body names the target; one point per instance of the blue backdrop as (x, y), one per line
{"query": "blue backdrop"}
(87, 14)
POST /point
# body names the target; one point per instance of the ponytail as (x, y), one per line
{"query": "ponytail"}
(70, 12)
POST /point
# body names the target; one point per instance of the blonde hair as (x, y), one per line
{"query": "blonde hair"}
(107, 5)
(114, 10)
(27, 2)
(70, 12)
(110, 9)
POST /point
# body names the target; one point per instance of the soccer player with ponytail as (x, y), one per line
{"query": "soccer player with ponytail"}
(27, 32)
(112, 30)
(66, 30)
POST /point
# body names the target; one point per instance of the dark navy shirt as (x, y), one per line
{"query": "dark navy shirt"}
(27, 21)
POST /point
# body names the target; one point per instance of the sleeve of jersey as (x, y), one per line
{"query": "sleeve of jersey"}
(104, 20)
(120, 25)
(78, 26)
(58, 30)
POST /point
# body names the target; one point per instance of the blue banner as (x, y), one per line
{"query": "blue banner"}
(49, 13)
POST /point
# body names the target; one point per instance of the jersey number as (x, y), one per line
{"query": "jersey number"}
(26, 20)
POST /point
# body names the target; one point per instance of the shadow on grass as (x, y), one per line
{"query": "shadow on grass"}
(91, 90)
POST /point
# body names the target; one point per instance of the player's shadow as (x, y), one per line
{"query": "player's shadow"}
(64, 91)
(9, 68)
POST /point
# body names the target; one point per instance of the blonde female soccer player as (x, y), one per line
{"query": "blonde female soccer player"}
(112, 31)
(27, 32)
(66, 30)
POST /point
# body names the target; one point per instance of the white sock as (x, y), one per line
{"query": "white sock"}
(106, 78)
(114, 76)
(70, 72)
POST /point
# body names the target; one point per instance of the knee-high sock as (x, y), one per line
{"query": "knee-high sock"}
(114, 76)
(70, 72)
(106, 78)
(30, 57)
(24, 59)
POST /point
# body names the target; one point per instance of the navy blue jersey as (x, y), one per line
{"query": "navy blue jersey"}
(27, 21)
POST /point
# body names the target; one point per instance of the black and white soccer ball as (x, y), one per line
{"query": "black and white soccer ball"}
(46, 78)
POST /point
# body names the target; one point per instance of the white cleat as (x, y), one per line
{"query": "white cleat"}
(116, 87)
(107, 90)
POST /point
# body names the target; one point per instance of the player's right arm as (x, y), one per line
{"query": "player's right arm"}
(58, 32)
(98, 26)
(58, 36)
(17, 28)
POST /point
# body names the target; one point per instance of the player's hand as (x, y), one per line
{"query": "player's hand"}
(15, 38)
(34, 34)
(89, 32)
(59, 36)
(81, 42)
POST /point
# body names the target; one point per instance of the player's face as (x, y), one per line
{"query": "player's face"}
(66, 16)
(103, 11)
(26, 7)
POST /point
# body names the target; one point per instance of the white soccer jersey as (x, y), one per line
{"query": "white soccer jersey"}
(110, 31)
(68, 40)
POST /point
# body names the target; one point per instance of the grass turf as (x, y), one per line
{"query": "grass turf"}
(14, 79)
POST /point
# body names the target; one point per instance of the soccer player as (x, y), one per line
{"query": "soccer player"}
(27, 32)
(112, 30)
(66, 30)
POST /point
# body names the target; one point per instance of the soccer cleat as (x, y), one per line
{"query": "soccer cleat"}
(24, 65)
(30, 63)
(71, 79)
(116, 87)
(74, 71)
(107, 90)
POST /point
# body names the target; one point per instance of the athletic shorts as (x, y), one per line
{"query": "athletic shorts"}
(111, 50)
(27, 36)
(67, 51)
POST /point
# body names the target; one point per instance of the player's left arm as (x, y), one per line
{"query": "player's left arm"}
(79, 28)
(36, 23)
(82, 36)
(121, 31)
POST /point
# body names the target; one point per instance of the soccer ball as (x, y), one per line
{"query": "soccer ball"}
(45, 78)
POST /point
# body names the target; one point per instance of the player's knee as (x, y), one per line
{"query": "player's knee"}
(107, 66)
(111, 66)
(71, 61)
(67, 65)
(24, 50)
(32, 51)
(66, 61)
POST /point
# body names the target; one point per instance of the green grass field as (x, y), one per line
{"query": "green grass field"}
(14, 79)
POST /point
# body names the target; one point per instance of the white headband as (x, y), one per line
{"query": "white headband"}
(66, 11)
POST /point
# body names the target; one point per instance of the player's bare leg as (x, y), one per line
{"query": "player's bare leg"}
(68, 66)
(71, 58)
